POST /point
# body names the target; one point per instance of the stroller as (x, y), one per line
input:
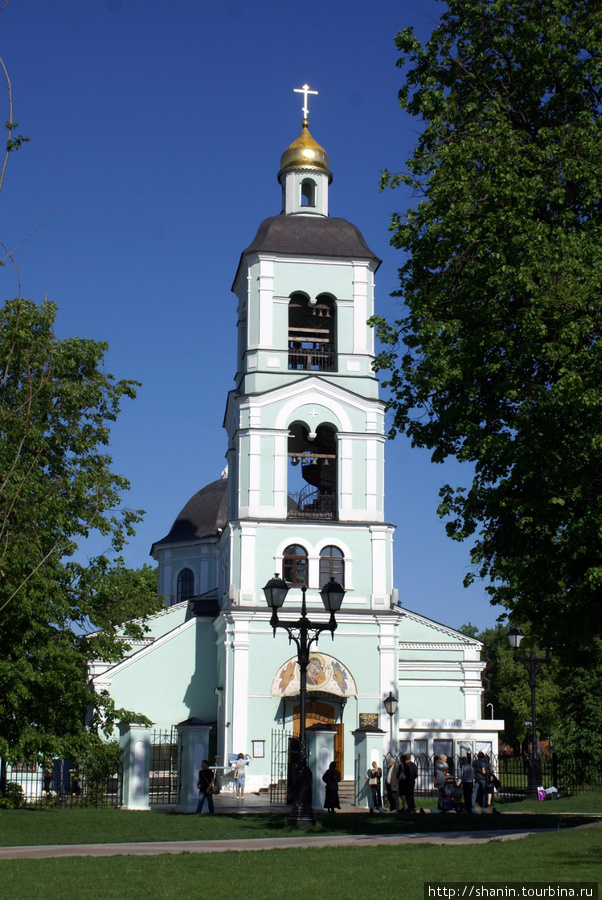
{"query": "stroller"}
(453, 796)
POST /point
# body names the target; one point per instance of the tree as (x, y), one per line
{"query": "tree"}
(507, 688)
(568, 698)
(56, 488)
(501, 364)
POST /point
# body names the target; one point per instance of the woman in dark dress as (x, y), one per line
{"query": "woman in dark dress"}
(331, 778)
(411, 773)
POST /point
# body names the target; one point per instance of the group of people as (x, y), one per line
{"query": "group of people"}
(206, 782)
(400, 779)
(477, 783)
(477, 780)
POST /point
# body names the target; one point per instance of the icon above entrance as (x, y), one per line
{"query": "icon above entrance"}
(325, 675)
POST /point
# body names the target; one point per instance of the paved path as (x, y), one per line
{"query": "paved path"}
(284, 843)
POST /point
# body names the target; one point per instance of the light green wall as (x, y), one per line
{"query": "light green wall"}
(441, 702)
(174, 681)
(322, 277)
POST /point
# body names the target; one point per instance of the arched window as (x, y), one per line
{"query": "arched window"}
(185, 584)
(308, 192)
(332, 565)
(294, 564)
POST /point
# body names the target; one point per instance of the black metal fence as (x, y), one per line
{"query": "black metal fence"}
(163, 775)
(568, 774)
(283, 748)
(60, 783)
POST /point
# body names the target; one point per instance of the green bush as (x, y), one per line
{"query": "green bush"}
(13, 798)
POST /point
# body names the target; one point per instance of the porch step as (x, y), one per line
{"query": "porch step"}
(346, 790)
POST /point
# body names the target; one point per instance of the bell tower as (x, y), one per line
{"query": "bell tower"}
(305, 423)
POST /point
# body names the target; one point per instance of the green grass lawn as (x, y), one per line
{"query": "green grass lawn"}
(566, 854)
(76, 825)
(343, 872)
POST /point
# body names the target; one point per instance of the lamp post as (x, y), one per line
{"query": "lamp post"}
(304, 633)
(533, 666)
(390, 704)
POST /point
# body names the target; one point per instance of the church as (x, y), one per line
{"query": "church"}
(301, 496)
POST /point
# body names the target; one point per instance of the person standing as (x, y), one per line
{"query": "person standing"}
(205, 786)
(467, 779)
(479, 793)
(393, 785)
(373, 777)
(331, 778)
(239, 770)
(490, 780)
(440, 775)
(407, 785)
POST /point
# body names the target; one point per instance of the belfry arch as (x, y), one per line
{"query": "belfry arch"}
(311, 333)
(312, 472)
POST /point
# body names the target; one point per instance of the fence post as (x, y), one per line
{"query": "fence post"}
(194, 747)
(369, 746)
(135, 744)
(321, 753)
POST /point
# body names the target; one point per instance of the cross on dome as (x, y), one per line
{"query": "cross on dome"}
(305, 91)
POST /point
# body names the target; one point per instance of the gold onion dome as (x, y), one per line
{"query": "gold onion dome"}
(305, 153)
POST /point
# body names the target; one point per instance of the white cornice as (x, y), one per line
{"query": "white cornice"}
(301, 387)
(426, 665)
(444, 629)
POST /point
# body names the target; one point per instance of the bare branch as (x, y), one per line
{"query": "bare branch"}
(10, 122)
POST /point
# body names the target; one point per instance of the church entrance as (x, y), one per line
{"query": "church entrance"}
(320, 713)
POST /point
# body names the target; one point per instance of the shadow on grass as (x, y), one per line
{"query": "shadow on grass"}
(365, 824)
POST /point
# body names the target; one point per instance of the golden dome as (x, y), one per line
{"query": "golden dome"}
(305, 153)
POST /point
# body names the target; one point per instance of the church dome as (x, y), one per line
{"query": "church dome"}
(304, 153)
(205, 515)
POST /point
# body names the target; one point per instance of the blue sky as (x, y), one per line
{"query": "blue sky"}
(156, 130)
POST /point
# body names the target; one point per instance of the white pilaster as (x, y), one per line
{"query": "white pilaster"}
(240, 670)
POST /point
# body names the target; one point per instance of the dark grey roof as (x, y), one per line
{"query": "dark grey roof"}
(311, 236)
(204, 513)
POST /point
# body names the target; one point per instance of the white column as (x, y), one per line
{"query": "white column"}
(135, 742)
(378, 535)
(254, 473)
(248, 537)
(360, 307)
(266, 312)
(280, 474)
(389, 681)
(240, 685)
(345, 455)
(371, 476)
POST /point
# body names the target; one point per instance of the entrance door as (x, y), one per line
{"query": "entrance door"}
(318, 713)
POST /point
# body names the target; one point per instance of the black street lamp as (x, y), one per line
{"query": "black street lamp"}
(304, 633)
(533, 666)
(390, 704)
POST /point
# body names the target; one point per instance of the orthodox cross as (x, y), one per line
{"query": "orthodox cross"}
(305, 91)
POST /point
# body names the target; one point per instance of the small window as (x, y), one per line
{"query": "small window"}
(332, 565)
(185, 584)
(308, 192)
(294, 565)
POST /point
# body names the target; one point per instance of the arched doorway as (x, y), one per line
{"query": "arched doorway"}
(320, 713)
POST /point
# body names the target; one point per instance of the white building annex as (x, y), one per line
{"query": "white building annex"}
(302, 496)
